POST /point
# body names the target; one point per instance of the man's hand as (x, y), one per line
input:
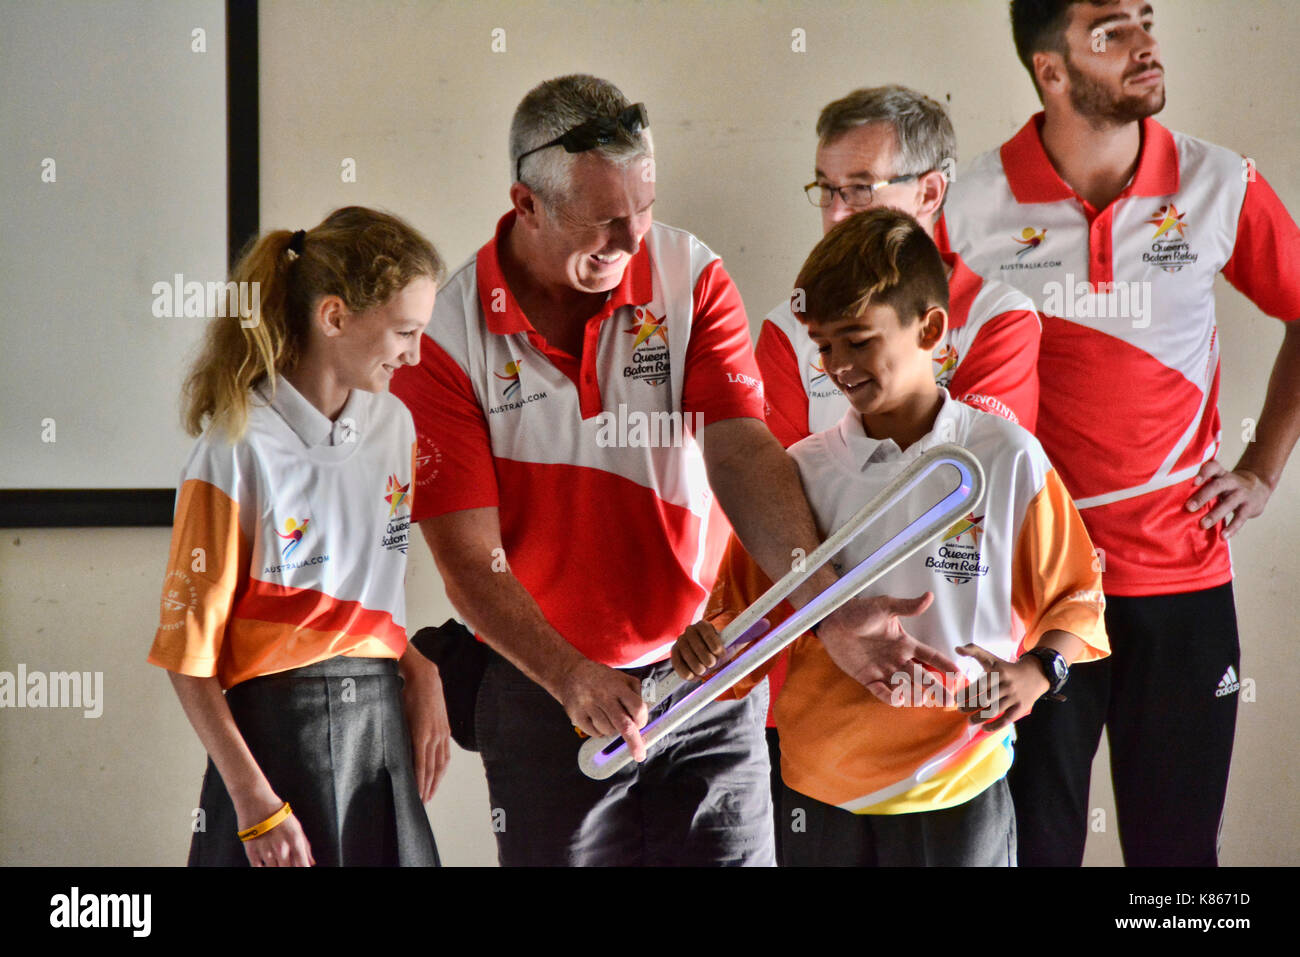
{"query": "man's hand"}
(1241, 495)
(426, 714)
(601, 700)
(1006, 692)
(866, 639)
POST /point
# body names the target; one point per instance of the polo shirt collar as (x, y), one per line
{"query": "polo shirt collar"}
(864, 451)
(963, 286)
(636, 287)
(308, 422)
(1033, 178)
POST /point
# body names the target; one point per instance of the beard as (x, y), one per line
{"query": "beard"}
(1095, 102)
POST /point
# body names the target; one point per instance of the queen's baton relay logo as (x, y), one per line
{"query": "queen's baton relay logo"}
(397, 530)
(945, 360)
(956, 560)
(650, 360)
(1169, 247)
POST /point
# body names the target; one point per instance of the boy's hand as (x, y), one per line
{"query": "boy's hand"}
(697, 650)
(866, 639)
(1006, 693)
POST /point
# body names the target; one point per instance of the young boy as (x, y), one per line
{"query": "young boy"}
(902, 775)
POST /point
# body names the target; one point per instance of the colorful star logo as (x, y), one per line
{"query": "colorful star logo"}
(969, 524)
(1168, 218)
(647, 327)
(947, 360)
(395, 494)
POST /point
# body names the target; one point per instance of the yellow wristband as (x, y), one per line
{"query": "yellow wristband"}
(257, 830)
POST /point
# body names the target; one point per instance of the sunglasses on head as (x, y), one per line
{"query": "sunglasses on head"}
(593, 133)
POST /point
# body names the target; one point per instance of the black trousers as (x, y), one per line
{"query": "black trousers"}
(1167, 697)
(701, 797)
(979, 833)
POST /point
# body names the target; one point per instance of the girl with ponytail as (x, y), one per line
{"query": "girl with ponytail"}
(283, 611)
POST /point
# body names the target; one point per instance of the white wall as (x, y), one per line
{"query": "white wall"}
(414, 94)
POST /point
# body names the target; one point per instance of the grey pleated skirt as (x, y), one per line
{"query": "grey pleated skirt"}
(333, 741)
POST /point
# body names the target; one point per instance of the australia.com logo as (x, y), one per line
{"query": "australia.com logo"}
(294, 532)
(513, 393)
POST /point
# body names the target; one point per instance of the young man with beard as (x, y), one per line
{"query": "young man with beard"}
(1117, 227)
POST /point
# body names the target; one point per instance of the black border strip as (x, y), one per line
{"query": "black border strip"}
(61, 508)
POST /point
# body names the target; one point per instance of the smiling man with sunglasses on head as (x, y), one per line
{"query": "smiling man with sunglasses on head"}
(579, 550)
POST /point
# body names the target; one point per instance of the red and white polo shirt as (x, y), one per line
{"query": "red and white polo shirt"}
(987, 359)
(607, 518)
(1129, 371)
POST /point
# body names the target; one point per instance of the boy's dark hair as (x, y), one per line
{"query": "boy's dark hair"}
(875, 257)
(1039, 25)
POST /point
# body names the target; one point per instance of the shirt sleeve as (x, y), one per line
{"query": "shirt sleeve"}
(1055, 576)
(722, 379)
(454, 464)
(1265, 262)
(207, 563)
(741, 583)
(786, 399)
(999, 372)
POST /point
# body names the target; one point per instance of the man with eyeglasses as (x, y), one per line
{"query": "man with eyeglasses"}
(1121, 227)
(576, 533)
(892, 146)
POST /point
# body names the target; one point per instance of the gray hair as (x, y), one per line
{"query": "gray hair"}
(923, 134)
(552, 108)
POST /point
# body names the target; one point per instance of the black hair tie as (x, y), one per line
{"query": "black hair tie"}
(295, 244)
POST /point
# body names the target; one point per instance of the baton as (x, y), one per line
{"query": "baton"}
(962, 488)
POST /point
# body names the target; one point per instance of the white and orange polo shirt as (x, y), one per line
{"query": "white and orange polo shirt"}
(1129, 371)
(595, 464)
(289, 546)
(988, 359)
(1016, 567)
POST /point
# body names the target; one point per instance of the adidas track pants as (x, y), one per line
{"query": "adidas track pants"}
(1167, 697)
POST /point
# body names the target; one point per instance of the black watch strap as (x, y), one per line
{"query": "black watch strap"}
(1055, 668)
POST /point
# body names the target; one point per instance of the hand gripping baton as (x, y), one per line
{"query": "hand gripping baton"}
(959, 488)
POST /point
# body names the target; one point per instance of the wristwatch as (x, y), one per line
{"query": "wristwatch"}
(1054, 668)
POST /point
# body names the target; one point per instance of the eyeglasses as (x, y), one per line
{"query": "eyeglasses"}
(855, 195)
(595, 132)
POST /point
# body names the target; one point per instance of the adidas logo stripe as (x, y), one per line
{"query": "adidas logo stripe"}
(1228, 683)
